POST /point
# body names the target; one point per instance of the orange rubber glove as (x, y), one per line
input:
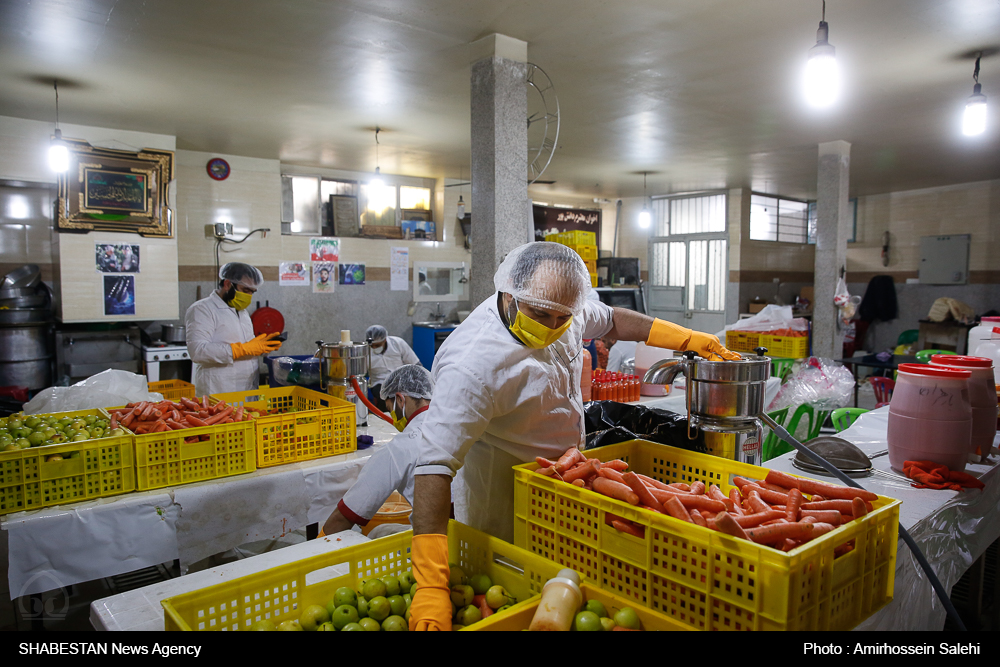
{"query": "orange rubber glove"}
(262, 344)
(431, 607)
(674, 337)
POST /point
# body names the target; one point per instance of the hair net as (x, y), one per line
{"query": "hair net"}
(546, 275)
(243, 274)
(410, 380)
(377, 333)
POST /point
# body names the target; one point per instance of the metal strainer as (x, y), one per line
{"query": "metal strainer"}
(845, 455)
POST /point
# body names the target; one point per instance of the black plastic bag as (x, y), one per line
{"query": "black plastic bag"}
(608, 422)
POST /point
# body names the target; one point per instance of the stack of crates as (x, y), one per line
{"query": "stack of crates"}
(584, 244)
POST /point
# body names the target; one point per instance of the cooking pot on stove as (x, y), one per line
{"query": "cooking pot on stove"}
(172, 333)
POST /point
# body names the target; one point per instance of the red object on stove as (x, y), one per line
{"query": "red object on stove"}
(267, 320)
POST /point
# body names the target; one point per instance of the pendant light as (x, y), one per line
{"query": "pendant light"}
(974, 118)
(822, 74)
(461, 202)
(58, 152)
(644, 216)
(376, 182)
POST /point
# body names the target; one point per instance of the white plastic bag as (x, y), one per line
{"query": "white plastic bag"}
(847, 304)
(822, 383)
(771, 318)
(107, 389)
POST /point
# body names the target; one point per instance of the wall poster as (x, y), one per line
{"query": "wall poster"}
(117, 257)
(291, 274)
(119, 295)
(324, 276)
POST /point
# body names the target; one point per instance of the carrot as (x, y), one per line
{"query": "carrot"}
(698, 488)
(681, 486)
(698, 518)
(858, 508)
(194, 421)
(189, 404)
(777, 488)
(755, 502)
(740, 482)
(649, 481)
(792, 508)
(675, 509)
(543, 462)
(751, 520)
(570, 457)
(615, 490)
(628, 528)
(839, 505)
(691, 502)
(725, 523)
(175, 425)
(843, 549)
(578, 482)
(147, 411)
(768, 496)
(811, 486)
(821, 528)
(824, 516)
(219, 416)
(734, 495)
(642, 491)
(580, 472)
(780, 532)
(127, 421)
(616, 464)
(204, 402)
(612, 474)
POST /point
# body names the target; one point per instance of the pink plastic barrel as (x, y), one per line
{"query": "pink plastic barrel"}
(982, 396)
(930, 416)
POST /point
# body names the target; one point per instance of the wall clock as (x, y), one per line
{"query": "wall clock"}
(218, 169)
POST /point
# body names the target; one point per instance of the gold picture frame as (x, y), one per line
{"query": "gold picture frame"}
(118, 191)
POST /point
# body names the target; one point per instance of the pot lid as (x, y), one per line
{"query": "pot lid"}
(961, 360)
(267, 320)
(935, 371)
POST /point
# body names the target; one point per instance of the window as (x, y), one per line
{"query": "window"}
(414, 198)
(300, 205)
(787, 220)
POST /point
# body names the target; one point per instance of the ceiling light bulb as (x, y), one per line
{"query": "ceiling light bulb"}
(644, 218)
(461, 208)
(822, 74)
(974, 118)
(58, 154)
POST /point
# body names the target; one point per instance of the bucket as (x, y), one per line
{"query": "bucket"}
(930, 417)
(393, 510)
(982, 396)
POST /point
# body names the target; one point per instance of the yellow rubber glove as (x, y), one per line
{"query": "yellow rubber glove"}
(262, 344)
(431, 607)
(675, 337)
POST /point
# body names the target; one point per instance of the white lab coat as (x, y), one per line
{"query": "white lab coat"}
(397, 353)
(498, 403)
(210, 326)
(387, 470)
(620, 352)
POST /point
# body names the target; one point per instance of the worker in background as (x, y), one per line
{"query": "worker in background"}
(620, 352)
(388, 354)
(408, 391)
(219, 334)
(508, 390)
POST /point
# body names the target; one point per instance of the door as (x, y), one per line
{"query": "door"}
(689, 260)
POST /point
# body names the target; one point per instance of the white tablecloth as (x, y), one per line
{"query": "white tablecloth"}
(58, 546)
(952, 528)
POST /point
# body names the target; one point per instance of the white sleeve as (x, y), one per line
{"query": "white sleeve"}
(199, 330)
(385, 472)
(407, 353)
(598, 319)
(458, 416)
(615, 358)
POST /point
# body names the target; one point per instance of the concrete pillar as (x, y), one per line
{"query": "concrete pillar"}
(500, 205)
(832, 232)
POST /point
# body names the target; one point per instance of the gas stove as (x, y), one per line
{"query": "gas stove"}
(159, 351)
(166, 361)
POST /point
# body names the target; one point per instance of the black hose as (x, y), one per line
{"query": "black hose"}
(917, 553)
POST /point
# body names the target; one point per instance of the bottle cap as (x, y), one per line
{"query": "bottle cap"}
(345, 336)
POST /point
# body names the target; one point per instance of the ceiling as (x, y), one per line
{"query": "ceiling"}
(700, 93)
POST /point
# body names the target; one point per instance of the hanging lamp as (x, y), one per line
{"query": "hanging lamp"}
(644, 215)
(58, 152)
(822, 74)
(974, 117)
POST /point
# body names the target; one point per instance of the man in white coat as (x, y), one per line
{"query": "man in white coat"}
(407, 391)
(508, 390)
(388, 354)
(219, 334)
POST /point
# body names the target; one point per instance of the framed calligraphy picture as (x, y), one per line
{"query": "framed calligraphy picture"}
(555, 219)
(113, 190)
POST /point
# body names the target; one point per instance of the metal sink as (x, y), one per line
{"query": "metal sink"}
(436, 325)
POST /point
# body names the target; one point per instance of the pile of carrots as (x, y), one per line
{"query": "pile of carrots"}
(781, 511)
(788, 333)
(149, 417)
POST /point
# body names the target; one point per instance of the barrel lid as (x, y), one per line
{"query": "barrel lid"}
(961, 360)
(935, 371)
(990, 319)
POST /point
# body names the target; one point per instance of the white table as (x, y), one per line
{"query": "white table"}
(140, 609)
(953, 529)
(58, 546)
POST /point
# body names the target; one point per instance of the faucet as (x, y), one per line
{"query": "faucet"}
(438, 315)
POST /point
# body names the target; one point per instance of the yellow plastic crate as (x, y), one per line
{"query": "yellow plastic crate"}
(585, 251)
(282, 592)
(552, 238)
(519, 618)
(742, 341)
(591, 265)
(580, 238)
(593, 279)
(699, 576)
(790, 347)
(320, 424)
(173, 390)
(165, 459)
(104, 467)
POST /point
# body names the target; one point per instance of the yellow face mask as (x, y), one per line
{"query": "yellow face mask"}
(534, 334)
(240, 300)
(399, 421)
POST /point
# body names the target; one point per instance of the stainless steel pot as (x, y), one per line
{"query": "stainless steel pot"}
(340, 363)
(172, 333)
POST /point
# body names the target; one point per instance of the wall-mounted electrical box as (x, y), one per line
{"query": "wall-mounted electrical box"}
(944, 260)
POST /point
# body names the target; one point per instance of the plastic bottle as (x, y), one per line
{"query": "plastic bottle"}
(984, 341)
(982, 397)
(561, 598)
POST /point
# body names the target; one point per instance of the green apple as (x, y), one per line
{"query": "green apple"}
(32, 422)
(391, 585)
(263, 625)
(456, 577)
(352, 627)
(469, 615)
(362, 607)
(596, 607)
(480, 583)
(370, 624)
(587, 621)
(328, 627)
(90, 419)
(498, 596)
(504, 608)
(394, 624)
(374, 588)
(407, 598)
(289, 626)
(406, 580)
(23, 443)
(607, 624)
(344, 615)
(378, 608)
(462, 595)
(313, 616)
(413, 589)
(627, 618)
(36, 438)
(397, 605)
(344, 596)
